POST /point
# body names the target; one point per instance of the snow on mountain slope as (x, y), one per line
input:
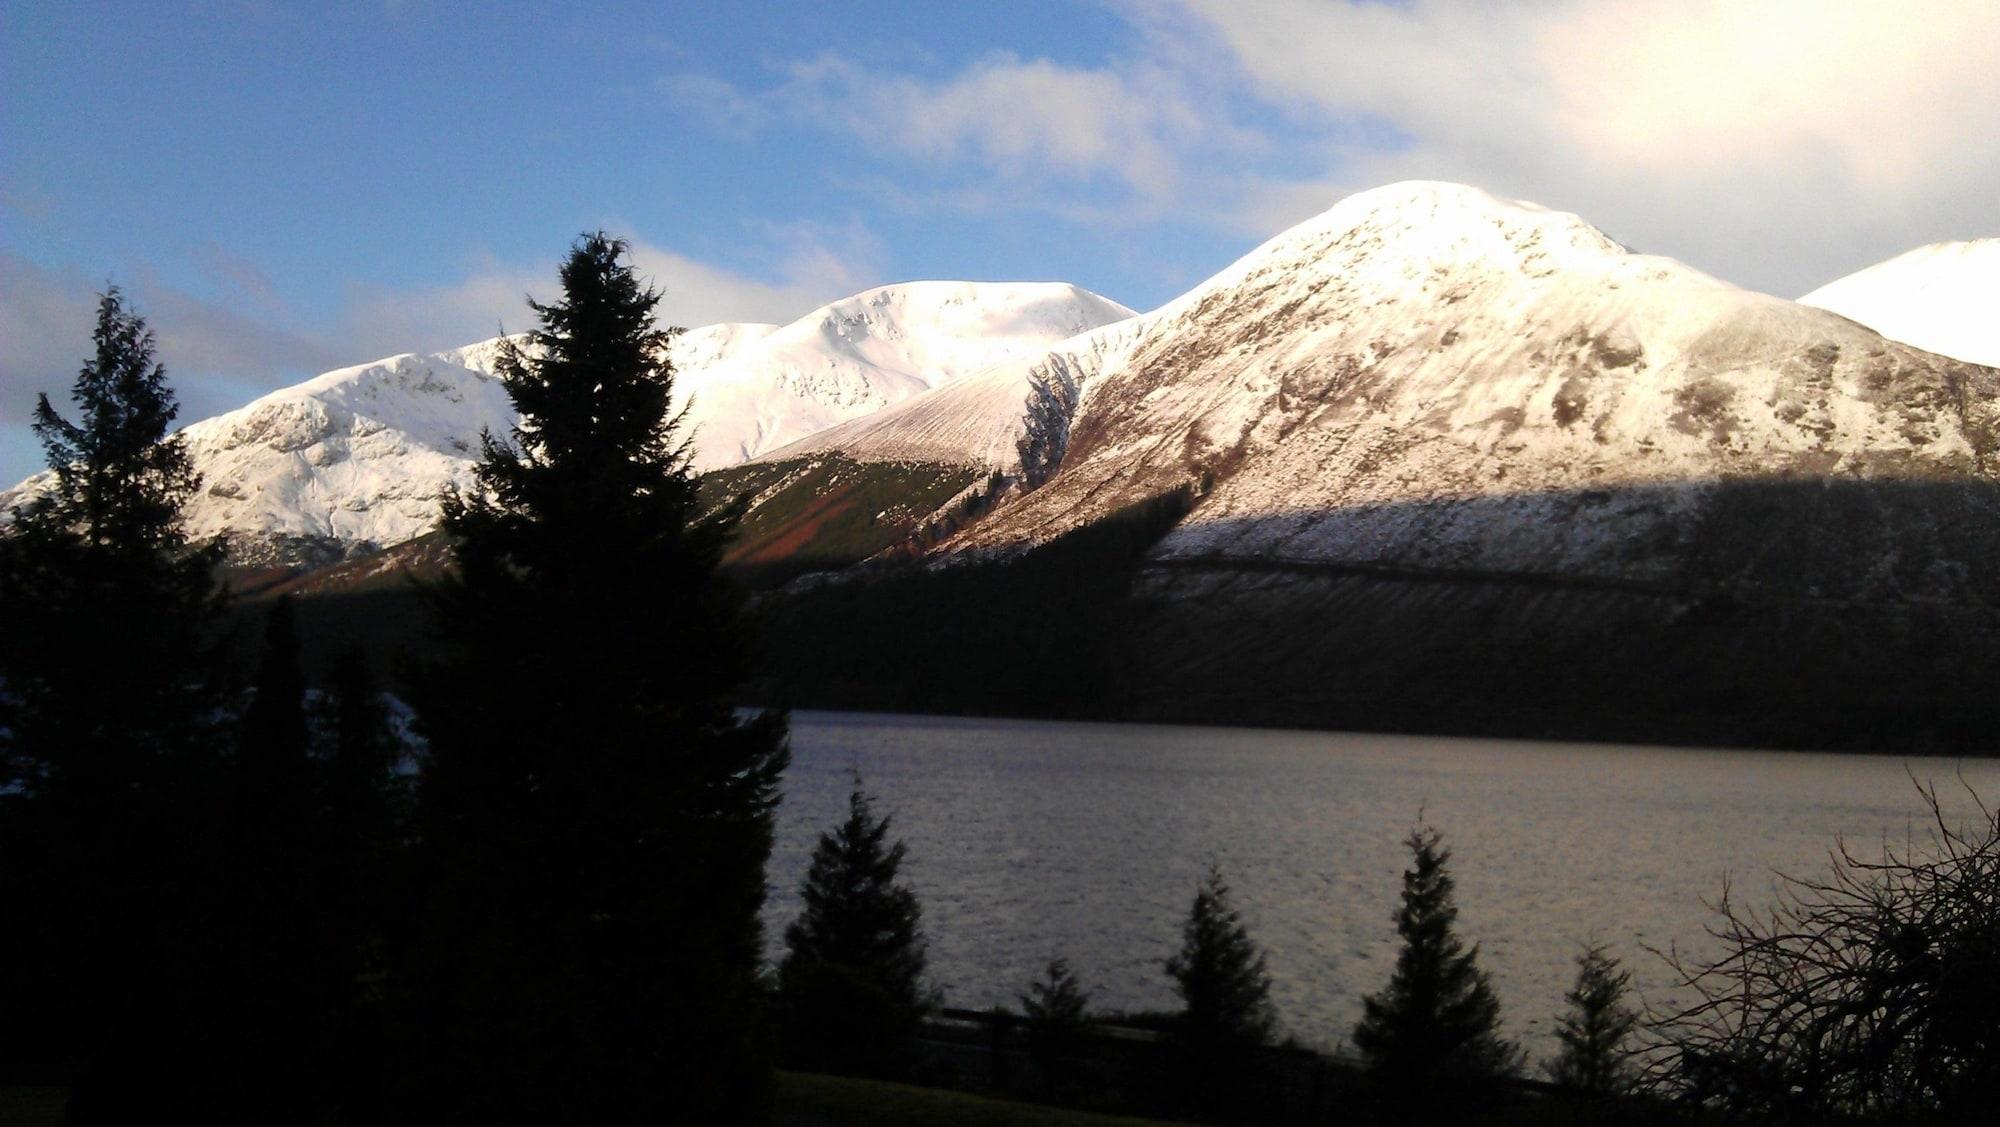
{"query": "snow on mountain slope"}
(361, 455)
(1426, 376)
(858, 356)
(1943, 298)
(976, 420)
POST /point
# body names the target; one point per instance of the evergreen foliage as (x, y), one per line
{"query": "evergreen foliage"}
(851, 981)
(250, 967)
(1055, 1005)
(365, 807)
(1220, 976)
(1433, 1033)
(107, 732)
(1226, 1014)
(1594, 1058)
(1039, 634)
(594, 816)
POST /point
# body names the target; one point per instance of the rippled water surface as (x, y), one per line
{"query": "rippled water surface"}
(1028, 839)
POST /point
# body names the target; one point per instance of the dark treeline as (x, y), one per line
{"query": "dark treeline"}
(1041, 634)
(233, 898)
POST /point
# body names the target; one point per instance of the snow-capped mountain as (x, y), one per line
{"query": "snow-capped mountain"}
(1427, 376)
(360, 456)
(756, 388)
(1943, 298)
(1436, 461)
(976, 420)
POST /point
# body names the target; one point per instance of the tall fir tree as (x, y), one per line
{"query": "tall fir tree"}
(594, 816)
(1431, 1037)
(851, 981)
(1594, 1057)
(107, 747)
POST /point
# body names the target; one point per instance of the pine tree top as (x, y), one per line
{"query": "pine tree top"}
(1057, 998)
(120, 478)
(857, 914)
(1438, 1015)
(1220, 973)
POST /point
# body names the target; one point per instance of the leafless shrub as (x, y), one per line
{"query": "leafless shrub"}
(1871, 994)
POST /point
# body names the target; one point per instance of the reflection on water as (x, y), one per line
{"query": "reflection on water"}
(1029, 839)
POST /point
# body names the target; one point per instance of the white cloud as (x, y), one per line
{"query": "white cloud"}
(1779, 143)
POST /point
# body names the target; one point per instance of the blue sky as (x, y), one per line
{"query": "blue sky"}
(288, 187)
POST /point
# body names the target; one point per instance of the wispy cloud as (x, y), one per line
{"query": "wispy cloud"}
(1136, 124)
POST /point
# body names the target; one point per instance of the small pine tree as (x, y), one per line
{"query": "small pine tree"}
(1593, 1059)
(851, 981)
(1220, 975)
(1434, 1032)
(1055, 1005)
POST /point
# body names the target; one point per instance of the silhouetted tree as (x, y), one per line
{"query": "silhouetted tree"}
(1871, 994)
(365, 809)
(1054, 1006)
(1595, 1058)
(106, 741)
(594, 815)
(1219, 974)
(250, 966)
(1226, 1012)
(1431, 1037)
(851, 981)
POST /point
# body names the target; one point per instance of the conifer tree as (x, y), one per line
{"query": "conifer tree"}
(851, 981)
(105, 598)
(1055, 1006)
(364, 804)
(1594, 1059)
(1226, 1012)
(1433, 1033)
(1220, 975)
(250, 964)
(595, 817)
(106, 745)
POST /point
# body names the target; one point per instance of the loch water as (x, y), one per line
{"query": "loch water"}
(1029, 839)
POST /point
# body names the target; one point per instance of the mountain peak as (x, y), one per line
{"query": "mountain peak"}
(1940, 298)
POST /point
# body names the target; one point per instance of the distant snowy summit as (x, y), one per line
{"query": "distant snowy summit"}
(360, 456)
(1943, 298)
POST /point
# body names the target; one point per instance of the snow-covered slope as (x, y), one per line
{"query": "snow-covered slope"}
(976, 420)
(1425, 376)
(361, 455)
(1943, 298)
(760, 390)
